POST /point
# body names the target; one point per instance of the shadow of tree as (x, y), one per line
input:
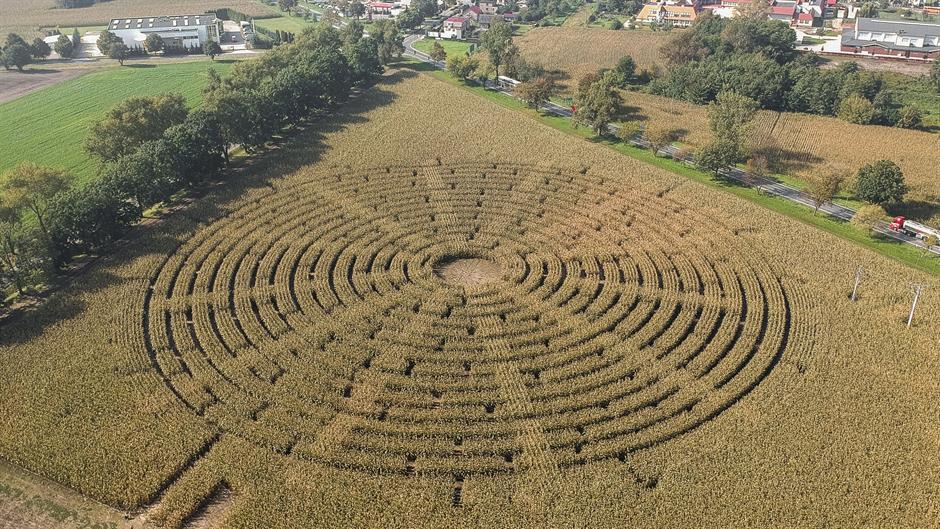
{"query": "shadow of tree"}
(915, 209)
(296, 148)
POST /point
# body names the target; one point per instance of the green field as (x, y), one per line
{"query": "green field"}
(287, 23)
(451, 47)
(49, 126)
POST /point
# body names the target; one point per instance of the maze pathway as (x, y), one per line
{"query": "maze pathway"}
(465, 319)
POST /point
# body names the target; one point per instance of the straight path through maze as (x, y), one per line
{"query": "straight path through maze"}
(465, 319)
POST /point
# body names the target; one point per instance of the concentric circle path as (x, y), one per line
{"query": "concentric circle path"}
(464, 319)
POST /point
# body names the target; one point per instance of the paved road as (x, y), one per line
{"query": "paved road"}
(766, 185)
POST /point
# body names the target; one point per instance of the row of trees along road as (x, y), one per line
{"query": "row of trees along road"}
(730, 117)
(152, 148)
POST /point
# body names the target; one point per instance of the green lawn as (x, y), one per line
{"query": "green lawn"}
(49, 126)
(287, 23)
(452, 47)
(893, 249)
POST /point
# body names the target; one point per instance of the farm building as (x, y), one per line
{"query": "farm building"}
(177, 31)
(908, 40)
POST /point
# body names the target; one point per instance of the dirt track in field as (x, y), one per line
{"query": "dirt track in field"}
(17, 84)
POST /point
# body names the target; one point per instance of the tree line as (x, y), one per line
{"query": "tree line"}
(756, 57)
(151, 148)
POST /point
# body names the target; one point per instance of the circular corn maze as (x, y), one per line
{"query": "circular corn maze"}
(464, 319)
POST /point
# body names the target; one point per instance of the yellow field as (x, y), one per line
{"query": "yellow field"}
(809, 144)
(818, 142)
(650, 353)
(580, 50)
(28, 16)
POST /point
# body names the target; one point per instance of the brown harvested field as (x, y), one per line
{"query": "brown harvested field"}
(28, 16)
(16, 84)
(811, 144)
(580, 50)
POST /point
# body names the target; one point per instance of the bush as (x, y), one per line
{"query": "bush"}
(856, 109)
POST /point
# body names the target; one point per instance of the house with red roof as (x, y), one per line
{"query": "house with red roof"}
(379, 10)
(455, 28)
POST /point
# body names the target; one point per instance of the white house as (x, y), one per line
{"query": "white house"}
(455, 28)
(177, 31)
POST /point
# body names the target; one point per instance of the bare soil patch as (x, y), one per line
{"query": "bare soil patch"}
(213, 513)
(28, 501)
(18, 84)
(468, 271)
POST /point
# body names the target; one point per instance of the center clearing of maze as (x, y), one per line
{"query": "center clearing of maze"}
(466, 319)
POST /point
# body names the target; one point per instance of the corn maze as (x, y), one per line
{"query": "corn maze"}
(466, 319)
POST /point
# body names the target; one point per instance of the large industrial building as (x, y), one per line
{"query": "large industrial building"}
(177, 31)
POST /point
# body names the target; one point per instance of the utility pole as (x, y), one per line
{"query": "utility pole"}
(858, 279)
(917, 288)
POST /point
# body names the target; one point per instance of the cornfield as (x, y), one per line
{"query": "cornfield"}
(578, 51)
(510, 329)
(803, 144)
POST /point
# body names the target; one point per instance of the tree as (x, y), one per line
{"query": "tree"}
(856, 109)
(659, 135)
(76, 40)
(868, 216)
(388, 40)
(756, 168)
(823, 188)
(496, 40)
(934, 76)
(16, 53)
(145, 177)
(39, 49)
(462, 66)
(83, 219)
(437, 52)
(730, 116)
(868, 10)
(929, 242)
(154, 43)
(363, 58)
(10, 229)
(717, 156)
(909, 117)
(198, 148)
(357, 9)
(758, 9)
(287, 5)
(133, 122)
(536, 92)
(410, 18)
(119, 52)
(625, 70)
(598, 103)
(64, 47)
(628, 131)
(212, 48)
(616, 24)
(32, 187)
(880, 183)
(105, 40)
